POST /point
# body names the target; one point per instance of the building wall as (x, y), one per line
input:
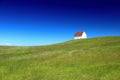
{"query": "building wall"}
(84, 36)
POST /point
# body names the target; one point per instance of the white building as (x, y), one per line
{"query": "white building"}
(80, 35)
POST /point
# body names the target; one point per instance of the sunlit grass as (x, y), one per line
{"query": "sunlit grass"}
(88, 59)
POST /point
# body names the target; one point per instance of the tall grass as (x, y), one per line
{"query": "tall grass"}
(88, 59)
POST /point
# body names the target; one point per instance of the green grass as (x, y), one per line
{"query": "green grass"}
(88, 59)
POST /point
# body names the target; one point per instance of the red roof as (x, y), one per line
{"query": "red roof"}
(78, 33)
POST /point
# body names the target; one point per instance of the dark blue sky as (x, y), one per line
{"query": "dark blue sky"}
(39, 22)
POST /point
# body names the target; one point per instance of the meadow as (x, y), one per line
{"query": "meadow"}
(86, 59)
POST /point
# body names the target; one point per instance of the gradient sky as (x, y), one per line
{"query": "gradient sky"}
(41, 22)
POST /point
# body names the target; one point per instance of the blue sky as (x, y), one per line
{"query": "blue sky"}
(41, 22)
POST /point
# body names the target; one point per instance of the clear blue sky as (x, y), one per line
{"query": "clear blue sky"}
(40, 22)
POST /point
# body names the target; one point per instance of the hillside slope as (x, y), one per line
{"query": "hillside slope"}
(88, 59)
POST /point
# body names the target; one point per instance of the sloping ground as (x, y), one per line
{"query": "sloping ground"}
(88, 59)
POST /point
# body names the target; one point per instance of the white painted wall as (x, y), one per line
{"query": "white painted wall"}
(84, 36)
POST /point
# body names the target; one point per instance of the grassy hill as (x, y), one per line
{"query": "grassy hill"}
(88, 59)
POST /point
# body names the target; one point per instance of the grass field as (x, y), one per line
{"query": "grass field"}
(88, 59)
